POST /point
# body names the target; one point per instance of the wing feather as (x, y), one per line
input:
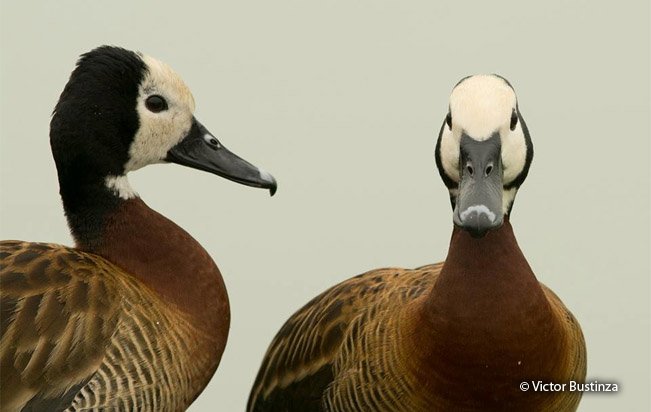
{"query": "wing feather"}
(302, 355)
(57, 321)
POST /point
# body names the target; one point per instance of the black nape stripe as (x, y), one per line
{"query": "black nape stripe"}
(92, 128)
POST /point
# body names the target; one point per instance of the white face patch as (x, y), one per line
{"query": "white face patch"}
(159, 132)
(480, 106)
(120, 186)
(450, 153)
(480, 209)
(514, 153)
(507, 198)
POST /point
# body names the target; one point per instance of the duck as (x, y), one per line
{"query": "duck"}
(459, 335)
(135, 315)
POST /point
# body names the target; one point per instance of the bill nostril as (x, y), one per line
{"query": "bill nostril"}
(212, 141)
(470, 170)
(488, 170)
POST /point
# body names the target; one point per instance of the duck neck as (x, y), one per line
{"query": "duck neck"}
(485, 282)
(488, 319)
(110, 220)
(87, 203)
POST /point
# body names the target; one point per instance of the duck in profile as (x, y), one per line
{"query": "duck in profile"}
(454, 336)
(136, 315)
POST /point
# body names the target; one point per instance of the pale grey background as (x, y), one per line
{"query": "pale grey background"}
(341, 101)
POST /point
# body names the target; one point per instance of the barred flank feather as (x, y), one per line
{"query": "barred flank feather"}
(79, 333)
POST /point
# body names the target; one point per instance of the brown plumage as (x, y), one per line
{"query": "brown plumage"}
(136, 315)
(83, 333)
(460, 335)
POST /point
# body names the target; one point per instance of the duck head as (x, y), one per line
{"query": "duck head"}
(123, 110)
(483, 152)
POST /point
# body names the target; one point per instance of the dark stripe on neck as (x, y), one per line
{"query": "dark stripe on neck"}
(87, 207)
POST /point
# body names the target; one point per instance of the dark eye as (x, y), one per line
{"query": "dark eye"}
(514, 120)
(156, 103)
(448, 120)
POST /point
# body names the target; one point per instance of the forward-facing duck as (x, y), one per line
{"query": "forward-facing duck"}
(455, 336)
(136, 315)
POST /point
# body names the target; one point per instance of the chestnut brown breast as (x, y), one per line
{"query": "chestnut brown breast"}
(144, 330)
(455, 336)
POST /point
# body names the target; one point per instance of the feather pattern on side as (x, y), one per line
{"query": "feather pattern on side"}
(79, 333)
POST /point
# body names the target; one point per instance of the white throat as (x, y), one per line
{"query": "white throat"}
(120, 186)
